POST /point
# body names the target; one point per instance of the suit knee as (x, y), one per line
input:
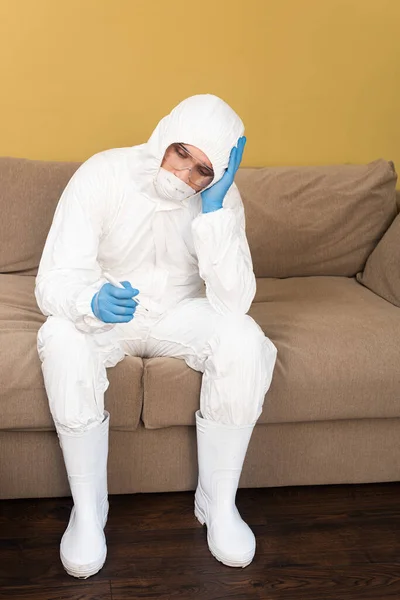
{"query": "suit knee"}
(58, 336)
(240, 339)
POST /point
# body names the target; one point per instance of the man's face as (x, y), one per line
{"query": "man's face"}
(190, 164)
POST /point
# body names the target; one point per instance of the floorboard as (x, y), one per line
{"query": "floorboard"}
(313, 543)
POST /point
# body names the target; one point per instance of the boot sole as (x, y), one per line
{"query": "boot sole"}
(84, 571)
(200, 516)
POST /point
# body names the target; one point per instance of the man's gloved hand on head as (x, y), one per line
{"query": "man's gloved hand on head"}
(213, 197)
(115, 305)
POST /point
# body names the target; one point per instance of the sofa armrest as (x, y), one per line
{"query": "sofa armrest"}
(382, 270)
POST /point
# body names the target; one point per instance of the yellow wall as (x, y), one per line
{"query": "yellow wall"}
(315, 81)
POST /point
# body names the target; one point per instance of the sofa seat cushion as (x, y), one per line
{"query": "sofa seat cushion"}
(23, 400)
(338, 357)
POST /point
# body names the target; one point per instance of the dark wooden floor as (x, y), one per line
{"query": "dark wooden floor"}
(313, 543)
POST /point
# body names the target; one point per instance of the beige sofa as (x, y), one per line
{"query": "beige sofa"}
(326, 249)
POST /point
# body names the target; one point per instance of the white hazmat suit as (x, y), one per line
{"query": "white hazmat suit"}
(195, 276)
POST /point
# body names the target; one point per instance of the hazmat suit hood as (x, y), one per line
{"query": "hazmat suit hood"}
(204, 121)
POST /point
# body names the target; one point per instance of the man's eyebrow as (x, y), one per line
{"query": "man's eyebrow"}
(200, 161)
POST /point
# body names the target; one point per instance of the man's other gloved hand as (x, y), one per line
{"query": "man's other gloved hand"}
(115, 305)
(213, 197)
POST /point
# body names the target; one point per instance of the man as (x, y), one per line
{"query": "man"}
(166, 219)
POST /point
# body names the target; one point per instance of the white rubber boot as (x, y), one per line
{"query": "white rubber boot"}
(83, 547)
(221, 450)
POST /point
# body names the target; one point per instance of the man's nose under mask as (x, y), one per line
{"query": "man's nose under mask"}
(170, 187)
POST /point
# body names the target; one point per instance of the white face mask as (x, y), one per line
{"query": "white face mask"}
(170, 187)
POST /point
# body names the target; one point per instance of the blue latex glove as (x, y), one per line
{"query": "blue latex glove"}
(115, 305)
(213, 197)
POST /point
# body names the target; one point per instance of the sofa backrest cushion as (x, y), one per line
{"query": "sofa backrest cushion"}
(29, 193)
(300, 220)
(323, 220)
